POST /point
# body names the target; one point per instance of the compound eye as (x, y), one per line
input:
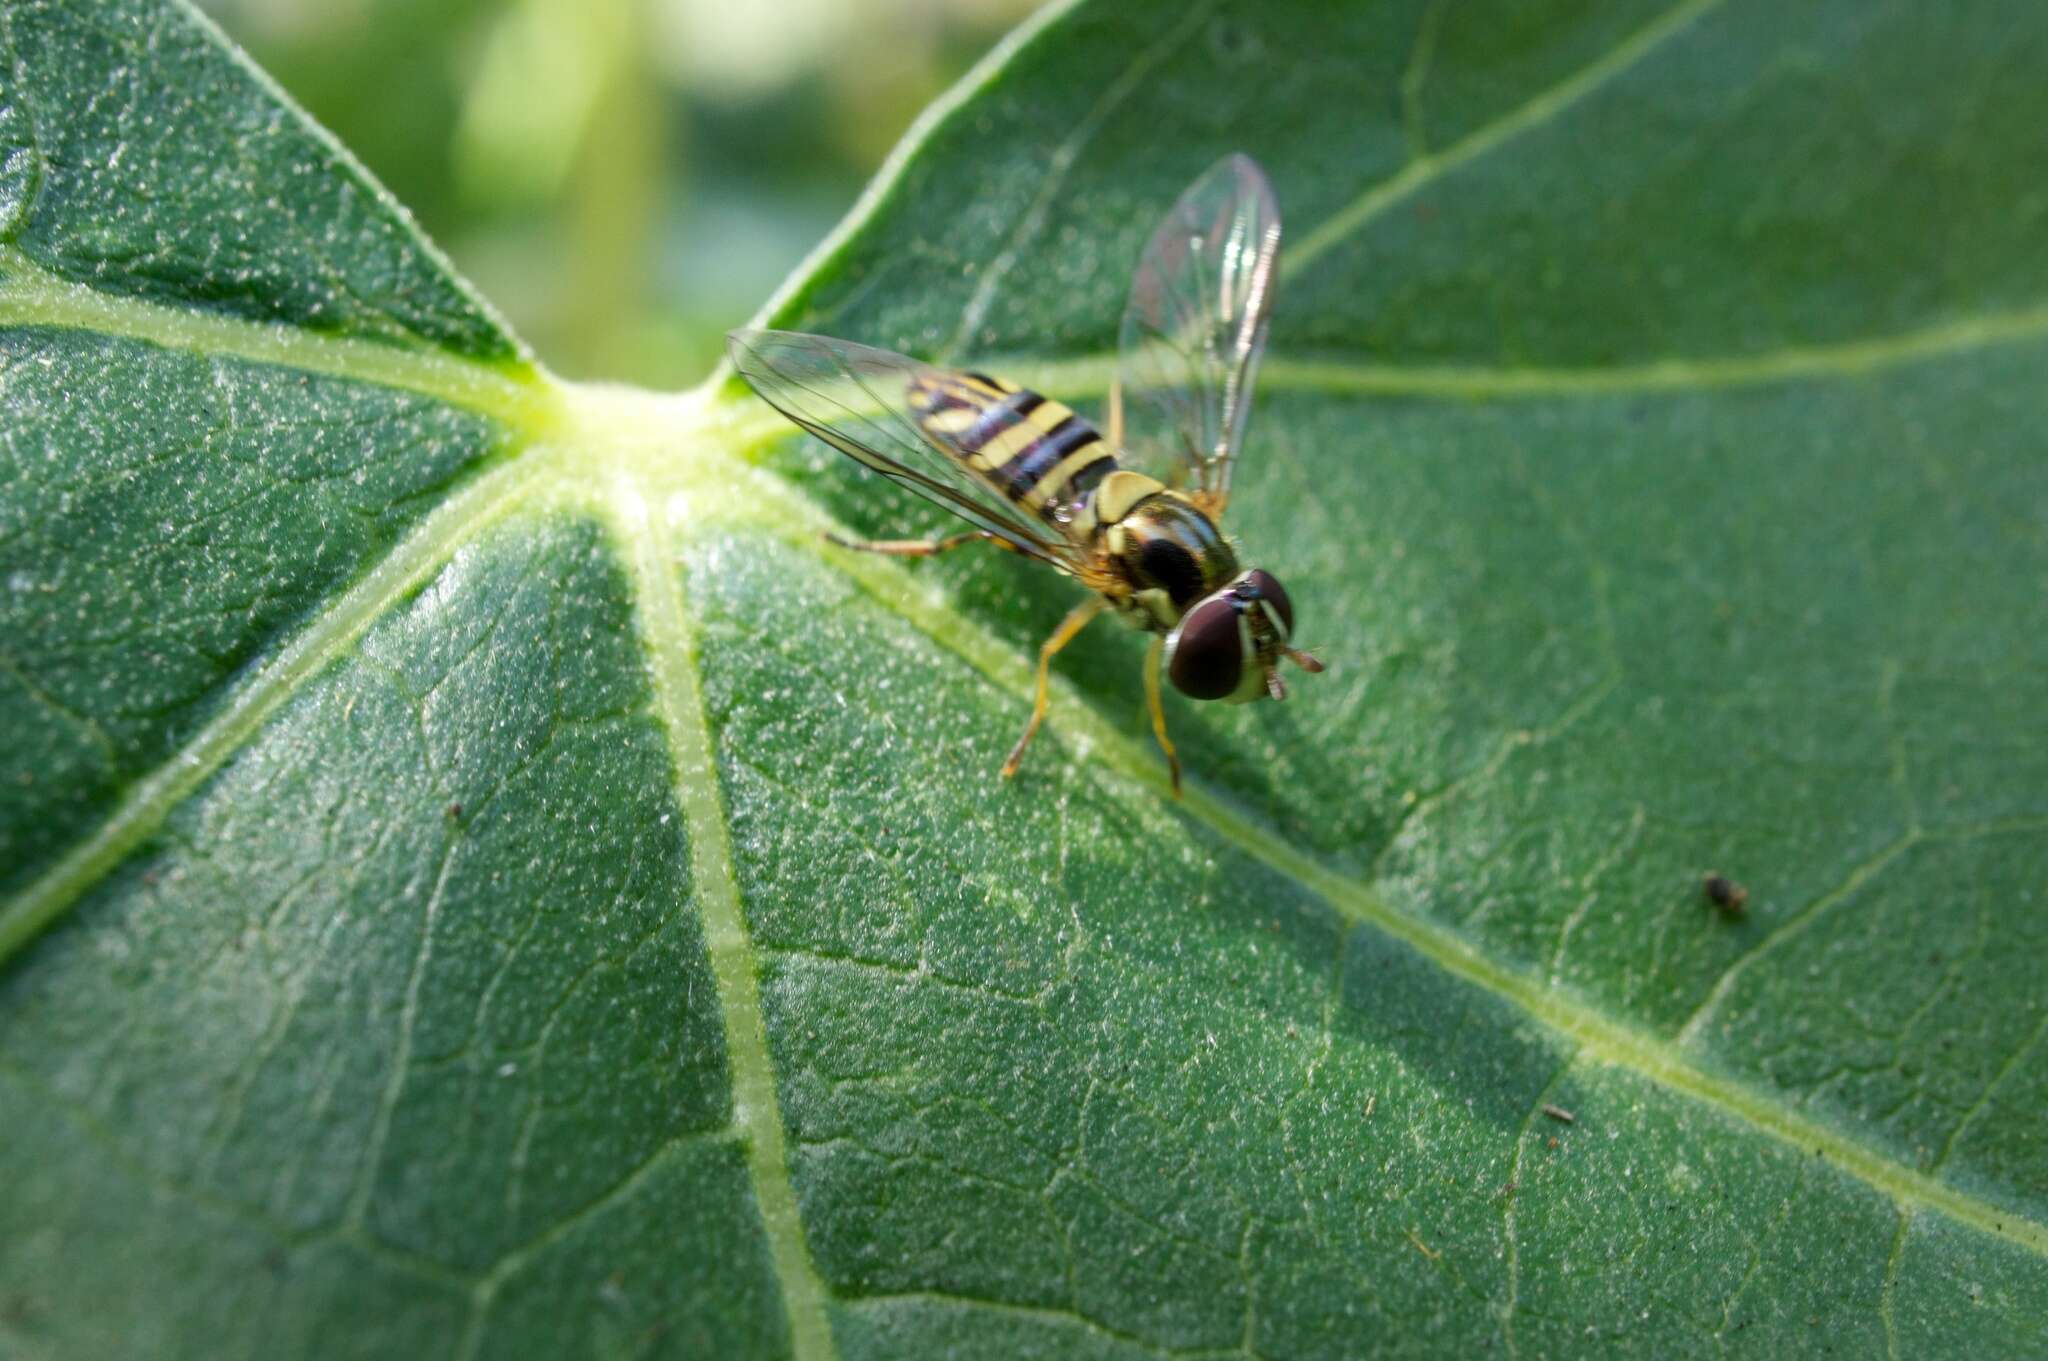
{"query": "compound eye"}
(1273, 593)
(1205, 653)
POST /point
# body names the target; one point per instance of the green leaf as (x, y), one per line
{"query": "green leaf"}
(483, 877)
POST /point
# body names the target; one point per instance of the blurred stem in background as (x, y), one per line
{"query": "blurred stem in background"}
(562, 114)
(625, 178)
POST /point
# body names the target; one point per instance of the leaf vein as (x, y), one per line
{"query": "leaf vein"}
(1825, 361)
(667, 638)
(401, 1058)
(1513, 1198)
(1532, 113)
(94, 1130)
(1998, 1078)
(1044, 1313)
(518, 395)
(1061, 163)
(1415, 78)
(1792, 927)
(1888, 1293)
(328, 636)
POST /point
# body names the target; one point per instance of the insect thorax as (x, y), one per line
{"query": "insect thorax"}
(1165, 552)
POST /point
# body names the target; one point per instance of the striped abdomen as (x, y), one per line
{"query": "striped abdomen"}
(1030, 448)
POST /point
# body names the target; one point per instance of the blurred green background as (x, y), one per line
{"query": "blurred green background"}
(626, 179)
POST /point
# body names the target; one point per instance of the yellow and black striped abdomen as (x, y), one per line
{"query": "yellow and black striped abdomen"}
(1031, 449)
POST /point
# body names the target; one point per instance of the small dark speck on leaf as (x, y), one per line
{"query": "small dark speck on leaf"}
(454, 810)
(1725, 893)
(1233, 42)
(1551, 1142)
(1560, 1114)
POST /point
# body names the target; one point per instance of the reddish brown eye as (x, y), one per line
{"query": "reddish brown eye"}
(1205, 656)
(1270, 590)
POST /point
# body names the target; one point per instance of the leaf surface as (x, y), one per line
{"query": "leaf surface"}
(483, 878)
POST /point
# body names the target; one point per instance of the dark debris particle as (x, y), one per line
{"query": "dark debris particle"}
(1233, 42)
(454, 810)
(1725, 893)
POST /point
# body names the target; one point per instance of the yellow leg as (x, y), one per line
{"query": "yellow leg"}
(1152, 655)
(1076, 620)
(907, 548)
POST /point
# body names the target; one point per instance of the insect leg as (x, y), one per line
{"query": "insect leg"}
(1076, 620)
(1152, 655)
(911, 548)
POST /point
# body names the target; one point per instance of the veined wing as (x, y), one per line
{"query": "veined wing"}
(880, 408)
(1194, 328)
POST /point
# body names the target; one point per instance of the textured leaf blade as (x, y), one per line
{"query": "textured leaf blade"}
(498, 885)
(291, 229)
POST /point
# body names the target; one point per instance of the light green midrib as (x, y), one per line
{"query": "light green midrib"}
(670, 645)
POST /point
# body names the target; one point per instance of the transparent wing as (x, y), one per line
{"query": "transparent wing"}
(858, 399)
(1194, 328)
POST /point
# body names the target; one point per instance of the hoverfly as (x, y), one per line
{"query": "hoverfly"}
(1132, 517)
